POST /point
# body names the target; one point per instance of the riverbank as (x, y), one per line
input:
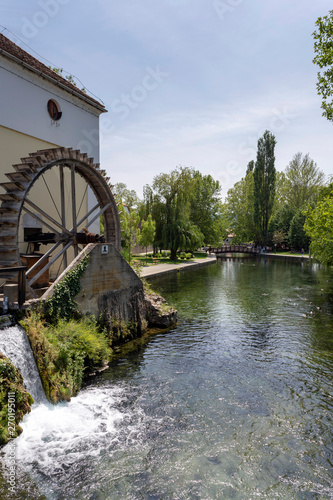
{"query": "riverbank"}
(157, 269)
(297, 257)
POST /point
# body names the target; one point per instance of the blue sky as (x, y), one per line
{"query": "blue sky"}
(187, 82)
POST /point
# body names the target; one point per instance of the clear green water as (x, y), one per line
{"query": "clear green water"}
(235, 402)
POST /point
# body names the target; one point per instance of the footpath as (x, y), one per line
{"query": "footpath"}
(156, 269)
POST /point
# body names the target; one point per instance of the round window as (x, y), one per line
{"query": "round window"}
(54, 110)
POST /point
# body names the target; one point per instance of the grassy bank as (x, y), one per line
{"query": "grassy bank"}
(65, 352)
(165, 259)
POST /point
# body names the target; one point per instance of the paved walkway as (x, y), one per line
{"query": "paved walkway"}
(169, 268)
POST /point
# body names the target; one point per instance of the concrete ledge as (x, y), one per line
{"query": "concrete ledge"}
(158, 269)
(305, 258)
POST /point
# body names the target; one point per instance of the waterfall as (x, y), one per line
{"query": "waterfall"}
(15, 345)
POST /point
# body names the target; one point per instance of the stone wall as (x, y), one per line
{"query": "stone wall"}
(111, 290)
(114, 294)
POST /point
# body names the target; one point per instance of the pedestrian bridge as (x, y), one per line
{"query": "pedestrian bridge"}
(234, 249)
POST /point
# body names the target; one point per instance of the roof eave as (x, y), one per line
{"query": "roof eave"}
(93, 103)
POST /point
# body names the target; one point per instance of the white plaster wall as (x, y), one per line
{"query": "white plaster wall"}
(23, 107)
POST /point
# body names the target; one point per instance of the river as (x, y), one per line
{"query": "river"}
(235, 402)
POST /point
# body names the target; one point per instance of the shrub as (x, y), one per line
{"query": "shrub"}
(64, 351)
(62, 303)
(182, 255)
(188, 256)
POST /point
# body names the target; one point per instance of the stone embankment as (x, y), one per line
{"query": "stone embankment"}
(157, 269)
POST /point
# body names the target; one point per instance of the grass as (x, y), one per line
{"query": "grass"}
(141, 259)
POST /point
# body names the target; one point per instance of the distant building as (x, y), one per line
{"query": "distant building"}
(229, 239)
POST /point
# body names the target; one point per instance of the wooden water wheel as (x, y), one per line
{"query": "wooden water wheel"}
(50, 187)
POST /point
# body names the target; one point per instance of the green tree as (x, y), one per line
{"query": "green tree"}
(297, 236)
(146, 234)
(279, 237)
(239, 209)
(127, 196)
(171, 201)
(302, 181)
(129, 223)
(206, 206)
(250, 167)
(281, 220)
(319, 227)
(264, 176)
(323, 47)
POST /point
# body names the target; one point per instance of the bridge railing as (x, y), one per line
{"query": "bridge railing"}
(234, 248)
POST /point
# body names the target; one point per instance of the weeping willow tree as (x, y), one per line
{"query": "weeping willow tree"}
(182, 235)
(171, 196)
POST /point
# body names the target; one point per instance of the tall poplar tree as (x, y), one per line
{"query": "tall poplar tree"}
(264, 177)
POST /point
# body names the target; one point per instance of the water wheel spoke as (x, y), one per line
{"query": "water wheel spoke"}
(47, 216)
(42, 259)
(51, 196)
(25, 209)
(87, 215)
(97, 215)
(63, 207)
(49, 264)
(73, 189)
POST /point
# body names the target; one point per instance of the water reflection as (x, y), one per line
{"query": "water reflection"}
(234, 402)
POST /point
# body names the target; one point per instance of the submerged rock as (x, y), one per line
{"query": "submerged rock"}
(158, 313)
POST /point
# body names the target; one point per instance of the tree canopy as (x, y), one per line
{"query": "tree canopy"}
(323, 47)
(319, 227)
(186, 208)
(240, 209)
(302, 181)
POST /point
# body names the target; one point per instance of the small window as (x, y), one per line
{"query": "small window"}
(54, 110)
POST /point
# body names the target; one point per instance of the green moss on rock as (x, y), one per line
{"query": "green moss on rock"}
(11, 381)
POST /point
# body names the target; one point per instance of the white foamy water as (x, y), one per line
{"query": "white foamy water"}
(57, 436)
(15, 345)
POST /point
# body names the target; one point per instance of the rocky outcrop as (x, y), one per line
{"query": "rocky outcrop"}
(158, 313)
(123, 313)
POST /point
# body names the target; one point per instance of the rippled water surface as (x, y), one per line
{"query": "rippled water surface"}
(236, 401)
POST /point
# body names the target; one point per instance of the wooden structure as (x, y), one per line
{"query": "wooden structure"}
(234, 249)
(67, 230)
(9, 272)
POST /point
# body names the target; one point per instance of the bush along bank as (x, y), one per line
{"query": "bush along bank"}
(65, 345)
(68, 346)
(65, 352)
(15, 401)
